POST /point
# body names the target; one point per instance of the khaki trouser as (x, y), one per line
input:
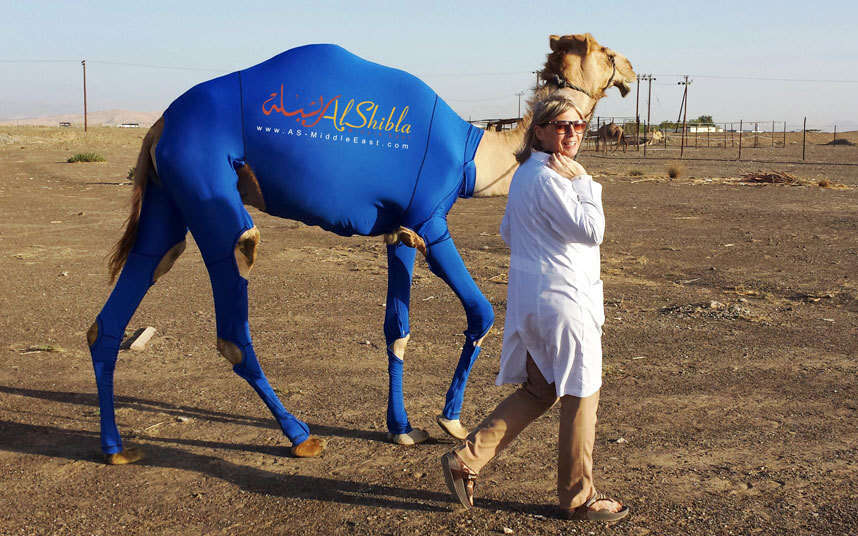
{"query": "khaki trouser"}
(576, 437)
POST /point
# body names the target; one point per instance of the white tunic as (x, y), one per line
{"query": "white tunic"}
(554, 310)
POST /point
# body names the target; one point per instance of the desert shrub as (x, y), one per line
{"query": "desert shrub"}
(86, 157)
(674, 171)
(824, 183)
(635, 173)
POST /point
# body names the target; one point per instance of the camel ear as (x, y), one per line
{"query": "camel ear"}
(625, 73)
(554, 42)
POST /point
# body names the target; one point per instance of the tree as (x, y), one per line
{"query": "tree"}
(702, 120)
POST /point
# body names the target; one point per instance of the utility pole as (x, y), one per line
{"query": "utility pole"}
(649, 79)
(684, 110)
(520, 93)
(83, 62)
(537, 79)
(637, 111)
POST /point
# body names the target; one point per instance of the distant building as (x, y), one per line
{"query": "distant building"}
(704, 128)
(65, 124)
(129, 125)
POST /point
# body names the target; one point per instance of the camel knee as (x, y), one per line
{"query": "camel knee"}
(481, 318)
(479, 342)
(168, 260)
(92, 334)
(398, 346)
(245, 251)
(230, 351)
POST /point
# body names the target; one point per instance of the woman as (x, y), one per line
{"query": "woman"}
(553, 225)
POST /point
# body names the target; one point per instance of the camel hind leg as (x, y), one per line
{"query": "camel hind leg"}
(205, 190)
(160, 240)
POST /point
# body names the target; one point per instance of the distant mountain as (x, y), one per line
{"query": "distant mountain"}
(108, 118)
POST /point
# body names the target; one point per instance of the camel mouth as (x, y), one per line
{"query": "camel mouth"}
(624, 88)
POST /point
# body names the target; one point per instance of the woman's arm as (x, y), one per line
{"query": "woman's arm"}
(574, 209)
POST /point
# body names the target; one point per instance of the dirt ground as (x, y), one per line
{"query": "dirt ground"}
(735, 417)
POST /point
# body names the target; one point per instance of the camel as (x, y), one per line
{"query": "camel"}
(655, 136)
(613, 132)
(376, 153)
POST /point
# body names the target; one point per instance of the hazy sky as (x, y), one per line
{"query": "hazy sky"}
(476, 55)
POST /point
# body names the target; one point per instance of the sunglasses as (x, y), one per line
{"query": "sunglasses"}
(567, 127)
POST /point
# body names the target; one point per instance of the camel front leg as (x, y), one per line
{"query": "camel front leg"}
(400, 269)
(445, 262)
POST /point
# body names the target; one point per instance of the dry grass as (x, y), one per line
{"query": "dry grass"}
(85, 157)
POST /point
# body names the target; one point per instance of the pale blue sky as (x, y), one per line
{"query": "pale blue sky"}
(476, 55)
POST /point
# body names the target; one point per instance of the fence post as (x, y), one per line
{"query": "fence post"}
(834, 142)
(784, 134)
(740, 139)
(804, 138)
(756, 134)
(773, 134)
(646, 140)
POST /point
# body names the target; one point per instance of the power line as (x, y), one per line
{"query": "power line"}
(764, 78)
(440, 75)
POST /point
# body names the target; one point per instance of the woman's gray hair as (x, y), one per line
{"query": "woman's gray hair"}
(545, 110)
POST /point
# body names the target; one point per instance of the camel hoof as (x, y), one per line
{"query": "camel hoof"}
(129, 455)
(452, 426)
(413, 437)
(310, 448)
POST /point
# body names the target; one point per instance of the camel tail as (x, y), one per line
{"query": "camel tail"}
(141, 177)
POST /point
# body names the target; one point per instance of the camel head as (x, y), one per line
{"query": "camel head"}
(578, 60)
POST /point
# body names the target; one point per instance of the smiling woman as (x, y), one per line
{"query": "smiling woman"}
(553, 224)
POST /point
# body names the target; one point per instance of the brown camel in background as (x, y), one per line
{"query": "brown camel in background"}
(613, 132)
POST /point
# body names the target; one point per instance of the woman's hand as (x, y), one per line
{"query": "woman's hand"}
(566, 166)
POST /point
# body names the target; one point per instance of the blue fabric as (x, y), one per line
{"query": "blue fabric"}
(456, 392)
(368, 147)
(397, 418)
(334, 141)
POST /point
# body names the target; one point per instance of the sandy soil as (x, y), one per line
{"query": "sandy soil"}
(739, 418)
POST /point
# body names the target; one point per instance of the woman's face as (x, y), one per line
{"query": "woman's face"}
(560, 138)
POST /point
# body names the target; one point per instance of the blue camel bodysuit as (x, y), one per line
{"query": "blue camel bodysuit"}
(334, 141)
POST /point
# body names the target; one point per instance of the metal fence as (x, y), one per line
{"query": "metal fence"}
(730, 139)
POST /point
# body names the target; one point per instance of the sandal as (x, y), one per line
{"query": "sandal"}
(461, 481)
(585, 512)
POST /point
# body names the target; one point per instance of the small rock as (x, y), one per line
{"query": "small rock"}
(618, 441)
(64, 274)
(716, 305)
(142, 338)
(183, 419)
(739, 310)
(539, 517)
(507, 530)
